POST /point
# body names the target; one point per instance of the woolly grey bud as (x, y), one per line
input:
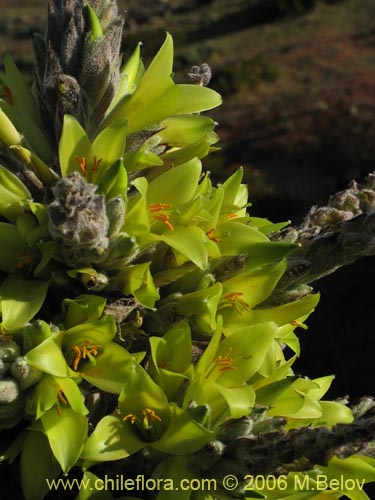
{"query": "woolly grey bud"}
(25, 374)
(235, 428)
(78, 220)
(9, 391)
(116, 215)
(9, 350)
(201, 75)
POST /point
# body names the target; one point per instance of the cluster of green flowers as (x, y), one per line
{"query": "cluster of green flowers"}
(127, 215)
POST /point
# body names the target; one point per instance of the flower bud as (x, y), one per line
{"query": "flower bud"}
(24, 373)
(9, 350)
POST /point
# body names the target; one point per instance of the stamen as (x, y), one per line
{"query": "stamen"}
(158, 207)
(146, 422)
(225, 362)
(133, 418)
(24, 259)
(89, 351)
(235, 301)
(82, 162)
(230, 216)
(148, 413)
(164, 218)
(61, 397)
(211, 236)
(95, 166)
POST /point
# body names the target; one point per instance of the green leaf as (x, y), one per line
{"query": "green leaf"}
(12, 192)
(176, 186)
(43, 396)
(140, 159)
(323, 384)
(295, 402)
(240, 400)
(109, 145)
(96, 30)
(354, 467)
(247, 348)
(334, 413)
(83, 308)
(11, 246)
(189, 241)
(188, 98)
(35, 138)
(100, 331)
(22, 96)
(158, 97)
(21, 299)
(140, 392)
(111, 440)
(114, 181)
(72, 427)
(74, 142)
(287, 312)
(209, 353)
(184, 435)
(236, 237)
(267, 394)
(35, 474)
(233, 192)
(198, 149)
(25, 116)
(173, 350)
(32, 334)
(129, 75)
(136, 280)
(49, 358)
(110, 371)
(9, 135)
(47, 249)
(73, 394)
(171, 358)
(202, 303)
(180, 131)
(26, 223)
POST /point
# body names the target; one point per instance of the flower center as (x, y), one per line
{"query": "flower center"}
(234, 300)
(164, 218)
(225, 362)
(82, 162)
(149, 423)
(86, 350)
(212, 237)
(24, 260)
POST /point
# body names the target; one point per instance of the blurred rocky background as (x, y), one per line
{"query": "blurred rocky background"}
(297, 78)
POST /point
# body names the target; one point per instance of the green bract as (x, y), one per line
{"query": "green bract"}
(136, 320)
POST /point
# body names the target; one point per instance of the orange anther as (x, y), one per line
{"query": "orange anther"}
(231, 216)
(61, 397)
(164, 218)
(158, 207)
(234, 299)
(82, 162)
(225, 362)
(212, 237)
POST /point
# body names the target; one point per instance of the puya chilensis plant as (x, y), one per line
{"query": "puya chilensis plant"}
(135, 332)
